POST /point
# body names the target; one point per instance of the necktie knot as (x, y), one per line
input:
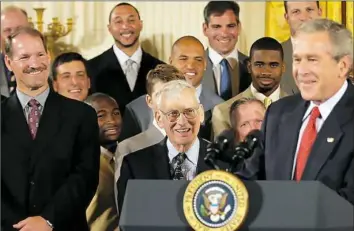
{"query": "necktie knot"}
(129, 62)
(33, 103)
(315, 113)
(224, 62)
(180, 158)
(267, 102)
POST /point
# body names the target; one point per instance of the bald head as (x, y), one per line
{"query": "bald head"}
(12, 18)
(188, 56)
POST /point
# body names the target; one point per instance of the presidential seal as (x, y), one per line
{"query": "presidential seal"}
(215, 200)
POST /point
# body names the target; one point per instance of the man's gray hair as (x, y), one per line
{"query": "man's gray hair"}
(340, 36)
(174, 89)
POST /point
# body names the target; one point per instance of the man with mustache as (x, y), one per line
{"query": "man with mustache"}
(102, 212)
(296, 13)
(309, 136)
(70, 78)
(226, 74)
(49, 146)
(121, 70)
(12, 18)
(266, 67)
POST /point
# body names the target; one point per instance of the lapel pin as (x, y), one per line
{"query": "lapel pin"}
(330, 140)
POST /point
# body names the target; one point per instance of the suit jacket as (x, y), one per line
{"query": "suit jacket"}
(287, 81)
(138, 116)
(54, 176)
(221, 113)
(332, 163)
(153, 163)
(238, 85)
(4, 87)
(102, 212)
(108, 77)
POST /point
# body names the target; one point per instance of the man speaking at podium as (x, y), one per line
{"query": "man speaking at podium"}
(309, 136)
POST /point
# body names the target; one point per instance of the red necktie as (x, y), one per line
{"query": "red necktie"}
(33, 117)
(307, 140)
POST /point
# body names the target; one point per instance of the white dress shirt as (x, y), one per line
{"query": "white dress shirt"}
(274, 96)
(189, 166)
(325, 109)
(123, 58)
(216, 59)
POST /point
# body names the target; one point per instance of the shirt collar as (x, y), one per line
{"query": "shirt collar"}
(192, 153)
(107, 154)
(24, 99)
(326, 107)
(274, 96)
(216, 58)
(199, 90)
(123, 57)
(158, 127)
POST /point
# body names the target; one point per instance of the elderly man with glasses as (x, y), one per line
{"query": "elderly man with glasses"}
(181, 154)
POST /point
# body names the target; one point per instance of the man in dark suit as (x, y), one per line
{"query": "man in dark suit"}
(226, 73)
(49, 146)
(12, 18)
(181, 154)
(121, 70)
(309, 136)
(296, 13)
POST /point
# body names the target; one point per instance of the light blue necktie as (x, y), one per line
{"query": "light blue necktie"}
(225, 81)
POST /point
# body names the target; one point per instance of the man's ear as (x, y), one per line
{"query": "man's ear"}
(8, 62)
(158, 117)
(149, 101)
(201, 114)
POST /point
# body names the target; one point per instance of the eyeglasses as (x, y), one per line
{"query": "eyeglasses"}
(189, 113)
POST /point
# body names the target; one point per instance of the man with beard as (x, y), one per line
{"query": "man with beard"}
(266, 67)
(296, 13)
(102, 212)
(226, 74)
(49, 146)
(12, 18)
(121, 70)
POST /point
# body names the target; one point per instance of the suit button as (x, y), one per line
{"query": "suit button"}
(32, 183)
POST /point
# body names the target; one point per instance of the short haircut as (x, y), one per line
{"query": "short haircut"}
(235, 106)
(267, 43)
(67, 58)
(286, 6)
(174, 87)
(23, 30)
(13, 8)
(97, 96)
(122, 4)
(219, 8)
(340, 37)
(163, 73)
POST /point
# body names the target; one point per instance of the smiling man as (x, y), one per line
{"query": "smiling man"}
(181, 154)
(121, 70)
(266, 67)
(70, 77)
(102, 212)
(226, 73)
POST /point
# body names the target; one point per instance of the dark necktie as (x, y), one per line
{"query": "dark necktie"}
(176, 166)
(33, 117)
(225, 81)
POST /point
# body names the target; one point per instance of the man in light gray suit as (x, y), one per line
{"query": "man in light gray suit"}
(12, 18)
(296, 13)
(226, 73)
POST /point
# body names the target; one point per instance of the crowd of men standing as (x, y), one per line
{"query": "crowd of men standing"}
(75, 131)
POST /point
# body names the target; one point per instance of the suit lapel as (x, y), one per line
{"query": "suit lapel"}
(287, 142)
(208, 78)
(201, 165)
(49, 125)
(16, 123)
(161, 161)
(341, 114)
